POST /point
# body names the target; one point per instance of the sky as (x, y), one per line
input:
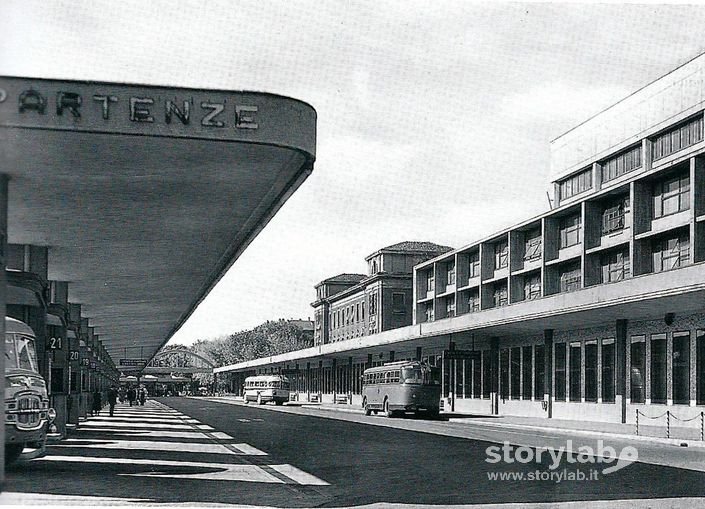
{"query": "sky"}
(434, 118)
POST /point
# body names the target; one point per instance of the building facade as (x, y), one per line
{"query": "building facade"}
(594, 310)
(349, 306)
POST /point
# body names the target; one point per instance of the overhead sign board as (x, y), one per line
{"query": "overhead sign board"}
(133, 363)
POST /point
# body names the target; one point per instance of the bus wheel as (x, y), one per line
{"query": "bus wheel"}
(387, 411)
(367, 409)
(246, 400)
(12, 452)
(259, 400)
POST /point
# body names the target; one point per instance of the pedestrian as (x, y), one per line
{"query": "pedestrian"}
(143, 395)
(131, 395)
(96, 403)
(112, 399)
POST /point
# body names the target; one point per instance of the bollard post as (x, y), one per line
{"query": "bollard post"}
(668, 424)
(702, 426)
(637, 422)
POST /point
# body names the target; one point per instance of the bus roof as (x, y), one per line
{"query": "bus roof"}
(266, 378)
(393, 365)
(17, 327)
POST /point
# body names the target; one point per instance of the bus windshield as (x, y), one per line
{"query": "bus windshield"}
(20, 352)
(420, 375)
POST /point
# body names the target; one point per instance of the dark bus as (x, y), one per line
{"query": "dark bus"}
(398, 387)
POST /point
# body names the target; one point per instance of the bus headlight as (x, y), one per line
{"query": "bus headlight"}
(51, 414)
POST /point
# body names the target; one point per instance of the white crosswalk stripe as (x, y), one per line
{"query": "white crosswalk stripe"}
(147, 428)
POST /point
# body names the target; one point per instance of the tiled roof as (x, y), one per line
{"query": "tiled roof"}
(412, 246)
(345, 278)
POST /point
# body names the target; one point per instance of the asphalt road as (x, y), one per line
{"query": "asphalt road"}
(202, 451)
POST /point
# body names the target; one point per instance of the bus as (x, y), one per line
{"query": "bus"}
(27, 412)
(404, 386)
(264, 388)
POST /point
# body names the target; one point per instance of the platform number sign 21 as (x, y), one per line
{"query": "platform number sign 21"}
(56, 343)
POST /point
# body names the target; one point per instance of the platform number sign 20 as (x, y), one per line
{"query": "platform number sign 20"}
(73, 356)
(56, 343)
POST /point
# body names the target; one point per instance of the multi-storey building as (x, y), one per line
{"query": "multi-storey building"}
(594, 310)
(354, 305)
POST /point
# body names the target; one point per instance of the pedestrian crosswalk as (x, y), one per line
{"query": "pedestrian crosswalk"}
(159, 442)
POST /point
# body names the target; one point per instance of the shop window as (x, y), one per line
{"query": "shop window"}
(477, 378)
(638, 369)
(559, 376)
(57, 380)
(504, 373)
(671, 196)
(659, 376)
(681, 368)
(700, 366)
(527, 371)
(575, 371)
(608, 354)
(467, 378)
(591, 371)
(539, 372)
(515, 372)
(569, 230)
(486, 373)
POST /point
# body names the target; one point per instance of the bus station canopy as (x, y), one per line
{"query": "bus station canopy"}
(145, 196)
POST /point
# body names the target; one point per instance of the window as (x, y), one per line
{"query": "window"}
(450, 305)
(398, 303)
(638, 369)
(560, 371)
(680, 137)
(527, 371)
(613, 215)
(591, 371)
(477, 378)
(671, 252)
(532, 246)
(658, 368)
(486, 373)
(430, 282)
(608, 353)
(515, 354)
(450, 274)
(362, 310)
(615, 266)
(539, 371)
(474, 265)
(501, 255)
(569, 231)
(575, 184)
(681, 368)
(622, 163)
(700, 366)
(575, 371)
(671, 195)
(499, 295)
(373, 304)
(571, 278)
(429, 312)
(504, 373)
(532, 286)
(473, 301)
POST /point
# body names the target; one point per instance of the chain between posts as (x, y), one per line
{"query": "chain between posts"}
(668, 415)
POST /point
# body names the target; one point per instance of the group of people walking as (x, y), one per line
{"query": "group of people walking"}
(133, 395)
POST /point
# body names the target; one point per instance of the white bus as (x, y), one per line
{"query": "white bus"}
(263, 388)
